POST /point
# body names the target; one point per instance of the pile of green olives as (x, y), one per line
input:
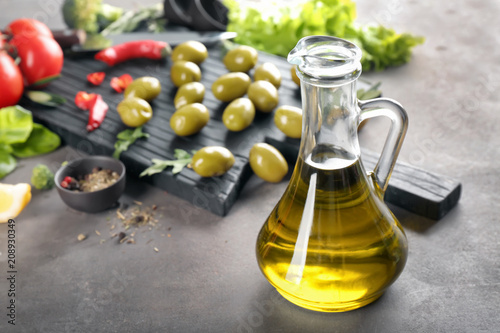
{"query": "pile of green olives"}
(134, 109)
(244, 95)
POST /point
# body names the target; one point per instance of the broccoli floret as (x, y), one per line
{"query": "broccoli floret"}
(89, 15)
(42, 178)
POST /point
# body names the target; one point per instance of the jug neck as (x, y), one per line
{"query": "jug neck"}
(330, 125)
(328, 68)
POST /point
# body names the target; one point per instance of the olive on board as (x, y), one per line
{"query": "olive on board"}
(189, 119)
(146, 87)
(183, 72)
(268, 72)
(192, 92)
(212, 161)
(288, 119)
(268, 163)
(193, 51)
(241, 59)
(231, 86)
(263, 95)
(239, 114)
(295, 78)
(134, 111)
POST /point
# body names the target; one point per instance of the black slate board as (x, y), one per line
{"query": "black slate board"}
(414, 189)
(216, 194)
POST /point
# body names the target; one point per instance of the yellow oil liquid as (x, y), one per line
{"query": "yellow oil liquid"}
(331, 244)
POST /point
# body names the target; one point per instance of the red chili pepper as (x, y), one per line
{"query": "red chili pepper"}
(83, 99)
(96, 78)
(150, 49)
(98, 110)
(119, 84)
(97, 106)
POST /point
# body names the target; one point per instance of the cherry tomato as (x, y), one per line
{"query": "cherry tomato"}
(28, 27)
(11, 81)
(41, 59)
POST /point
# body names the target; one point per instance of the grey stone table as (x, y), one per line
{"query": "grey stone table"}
(204, 276)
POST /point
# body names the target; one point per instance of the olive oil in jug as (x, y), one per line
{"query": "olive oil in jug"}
(331, 244)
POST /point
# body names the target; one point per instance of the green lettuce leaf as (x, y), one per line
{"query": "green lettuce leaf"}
(16, 124)
(277, 27)
(40, 141)
(7, 164)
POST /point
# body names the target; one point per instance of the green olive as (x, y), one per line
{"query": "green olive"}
(268, 163)
(134, 111)
(145, 87)
(189, 119)
(212, 161)
(295, 78)
(268, 72)
(289, 120)
(241, 59)
(192, 92)
(183, 72)
(239, 114)
(263, 95)
(190, 51)
(231, 86)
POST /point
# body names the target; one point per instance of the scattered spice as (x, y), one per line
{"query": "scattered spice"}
(121, 236)
(156, 249)
(132, 218)
(81, 237)
(98, 233)
(120, 215)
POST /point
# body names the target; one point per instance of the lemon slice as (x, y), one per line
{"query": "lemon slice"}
(13, 199)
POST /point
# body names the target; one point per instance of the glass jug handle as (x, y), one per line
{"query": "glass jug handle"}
(399, 124)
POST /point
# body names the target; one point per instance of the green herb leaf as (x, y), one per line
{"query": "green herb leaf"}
(126, 138)
(16, 124)
(183, 158)
(7, 164)
(41, 141)
(45, 98)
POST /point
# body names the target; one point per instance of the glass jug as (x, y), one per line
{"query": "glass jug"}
(331, 244)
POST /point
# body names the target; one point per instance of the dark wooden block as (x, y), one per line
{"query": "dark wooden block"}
(414, 189)
(216, 194)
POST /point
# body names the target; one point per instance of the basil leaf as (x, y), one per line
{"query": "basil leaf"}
(41, 141)
(16, 124)
(126, 138)
(7, 164)
(183, 158)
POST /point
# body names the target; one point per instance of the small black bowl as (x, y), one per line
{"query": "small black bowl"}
(91, 202)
